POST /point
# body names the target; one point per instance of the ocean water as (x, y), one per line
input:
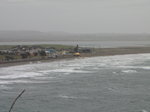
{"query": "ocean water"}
(118, 83)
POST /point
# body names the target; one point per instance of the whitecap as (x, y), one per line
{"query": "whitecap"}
(146, 67)
(67, 97)
(143, 110)
(17, 75)
(65, 70)
(129, 71)
(43, 78)
(7, 82)
(4, 87)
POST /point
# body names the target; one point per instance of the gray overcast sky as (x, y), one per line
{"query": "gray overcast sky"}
(77, 16)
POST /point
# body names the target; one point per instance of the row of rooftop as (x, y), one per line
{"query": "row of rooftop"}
(23, 52)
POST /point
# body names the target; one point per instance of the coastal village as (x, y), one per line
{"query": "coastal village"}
(39, 52)
(33, 53)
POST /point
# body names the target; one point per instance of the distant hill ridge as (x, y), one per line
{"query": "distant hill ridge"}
(26, 36)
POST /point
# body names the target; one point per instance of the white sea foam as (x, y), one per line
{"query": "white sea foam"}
(43, 78)
(129, 71)
(7, 82)
(2, 82)
(85, 65)
(145, 67)
(69, 70)
(135, 67)
(67, 97)
(144, 110)
(17, 75)
(71, 97)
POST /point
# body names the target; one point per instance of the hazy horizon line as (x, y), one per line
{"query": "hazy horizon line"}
(72, 32)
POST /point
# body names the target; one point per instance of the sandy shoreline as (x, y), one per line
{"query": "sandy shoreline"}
(96, 52)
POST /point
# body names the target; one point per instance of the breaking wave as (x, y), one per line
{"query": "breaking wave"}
(50, 70)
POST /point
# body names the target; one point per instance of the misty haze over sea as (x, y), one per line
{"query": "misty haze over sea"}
(27, 36)
(84, 40)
